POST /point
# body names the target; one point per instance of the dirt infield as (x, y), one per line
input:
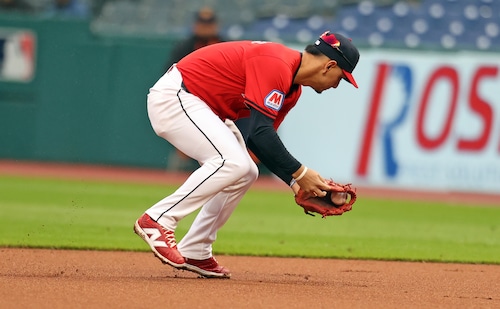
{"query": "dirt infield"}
(41, 278)
(90, 279)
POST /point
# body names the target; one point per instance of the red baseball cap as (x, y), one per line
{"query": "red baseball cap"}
(339, 48)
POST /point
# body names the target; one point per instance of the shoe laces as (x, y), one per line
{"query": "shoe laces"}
(169, 237)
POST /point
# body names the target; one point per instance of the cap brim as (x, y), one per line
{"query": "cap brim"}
(350, 78)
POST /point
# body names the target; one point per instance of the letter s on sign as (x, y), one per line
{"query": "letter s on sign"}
(482, 109)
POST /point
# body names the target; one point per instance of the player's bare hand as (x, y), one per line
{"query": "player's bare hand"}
(312, 182)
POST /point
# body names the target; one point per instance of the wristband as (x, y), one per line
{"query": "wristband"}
(301, 174)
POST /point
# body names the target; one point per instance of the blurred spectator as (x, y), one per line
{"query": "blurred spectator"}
(68, 8)
(205, 31)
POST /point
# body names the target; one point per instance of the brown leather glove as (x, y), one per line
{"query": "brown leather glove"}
(325, 205)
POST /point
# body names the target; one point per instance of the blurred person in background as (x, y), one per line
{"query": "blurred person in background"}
(205, 31)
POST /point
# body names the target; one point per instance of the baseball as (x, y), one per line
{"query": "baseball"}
(338, 198)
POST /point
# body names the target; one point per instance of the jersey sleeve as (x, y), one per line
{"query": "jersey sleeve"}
(268, 79)
(290, 101)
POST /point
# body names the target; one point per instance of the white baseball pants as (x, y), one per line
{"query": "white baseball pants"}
(227, 171)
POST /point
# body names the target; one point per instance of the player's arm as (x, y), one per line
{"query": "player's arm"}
(265, 143)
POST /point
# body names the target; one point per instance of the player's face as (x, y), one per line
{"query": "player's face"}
(330, 77)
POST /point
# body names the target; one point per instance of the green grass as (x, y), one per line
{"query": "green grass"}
(51, 213)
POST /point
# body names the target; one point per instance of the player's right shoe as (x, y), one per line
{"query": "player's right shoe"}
(207, 268)
(161, 241)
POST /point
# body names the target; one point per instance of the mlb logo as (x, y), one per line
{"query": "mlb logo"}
(17, 54)
(274, 100)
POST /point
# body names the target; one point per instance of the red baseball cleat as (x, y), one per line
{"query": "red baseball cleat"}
(160, 239)
(207, 268)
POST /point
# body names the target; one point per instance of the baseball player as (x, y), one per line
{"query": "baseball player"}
(193, 107)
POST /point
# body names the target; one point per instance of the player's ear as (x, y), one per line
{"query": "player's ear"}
(330, 65)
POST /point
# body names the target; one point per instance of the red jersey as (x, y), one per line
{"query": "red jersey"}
(231, 76)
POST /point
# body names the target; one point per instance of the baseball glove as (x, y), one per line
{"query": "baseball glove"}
(325, 206)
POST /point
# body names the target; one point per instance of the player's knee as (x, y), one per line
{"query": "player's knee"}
(253, 172)
(242, 170)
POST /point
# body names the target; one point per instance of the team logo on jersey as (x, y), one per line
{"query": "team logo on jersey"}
(274, 100)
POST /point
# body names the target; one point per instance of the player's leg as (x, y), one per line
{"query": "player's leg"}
(204, 137)
(196, 246)
(191, 126)
(197, 243)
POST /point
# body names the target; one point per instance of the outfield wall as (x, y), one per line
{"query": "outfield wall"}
(68, 95)
(420, 120)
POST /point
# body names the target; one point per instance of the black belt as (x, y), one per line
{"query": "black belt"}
(184, 87)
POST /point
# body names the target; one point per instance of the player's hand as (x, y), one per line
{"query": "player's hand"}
(313, 183)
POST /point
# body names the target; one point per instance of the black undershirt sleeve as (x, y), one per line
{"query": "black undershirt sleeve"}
(264, 142)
